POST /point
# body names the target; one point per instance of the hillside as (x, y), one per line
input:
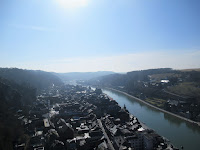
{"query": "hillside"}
(173, 90)
(181, 82)
(37, 79)
(126, 79)
(82, 75)
(18, 90)
(194, 69)
(13, 97)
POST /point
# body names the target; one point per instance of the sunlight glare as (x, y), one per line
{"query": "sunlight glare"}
(71, 4)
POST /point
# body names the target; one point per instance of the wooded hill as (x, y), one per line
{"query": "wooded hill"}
(34, 78)
(148, 82)
(18, 90)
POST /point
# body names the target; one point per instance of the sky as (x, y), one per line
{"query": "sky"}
(99, 35)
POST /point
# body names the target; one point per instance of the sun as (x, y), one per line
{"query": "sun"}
(71, 4)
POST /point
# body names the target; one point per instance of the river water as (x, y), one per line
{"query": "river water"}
(179, 132)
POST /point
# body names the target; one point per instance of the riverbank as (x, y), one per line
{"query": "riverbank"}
(162, 110)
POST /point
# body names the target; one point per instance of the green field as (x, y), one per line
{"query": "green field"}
(189, 89)
(156, 102)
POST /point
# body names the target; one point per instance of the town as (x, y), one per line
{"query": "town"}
(72, 117)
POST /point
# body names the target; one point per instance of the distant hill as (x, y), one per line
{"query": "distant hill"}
(82, 75)
(186, 70)
(185, 83)
(37, 79)
(130, 77)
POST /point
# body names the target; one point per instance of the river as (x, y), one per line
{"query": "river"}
(179, 132)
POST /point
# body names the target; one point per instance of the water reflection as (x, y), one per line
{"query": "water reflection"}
(173, 120)
(193, 127)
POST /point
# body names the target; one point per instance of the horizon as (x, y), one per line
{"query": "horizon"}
(88, 36)
(192, 69)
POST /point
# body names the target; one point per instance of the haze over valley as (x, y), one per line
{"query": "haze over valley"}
(99, 74)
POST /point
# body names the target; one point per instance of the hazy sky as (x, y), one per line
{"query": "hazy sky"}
(93, 35)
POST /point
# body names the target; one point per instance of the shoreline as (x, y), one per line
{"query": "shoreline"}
(162, 110)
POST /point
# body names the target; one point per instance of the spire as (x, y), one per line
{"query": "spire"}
(124, 106)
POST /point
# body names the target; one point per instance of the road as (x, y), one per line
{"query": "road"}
(162, 110)
(174, 94)
(105, 134)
